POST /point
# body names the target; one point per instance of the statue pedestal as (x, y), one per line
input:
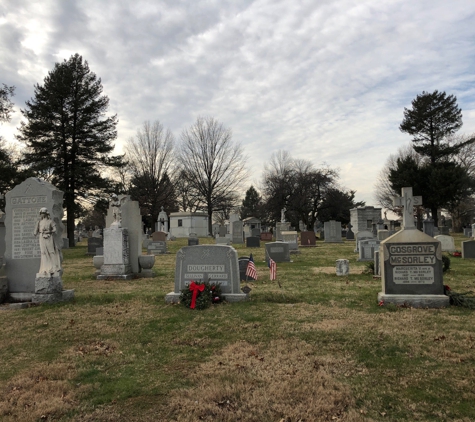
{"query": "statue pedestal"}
(49, 289)
(116, 255)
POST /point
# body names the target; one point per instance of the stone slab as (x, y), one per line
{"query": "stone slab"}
(332, 230)
(253, 242)
(415, 301)
(447, 242)
(278, 251)
(308, 238)
(157, 247)
(93, 243)
(468, 249)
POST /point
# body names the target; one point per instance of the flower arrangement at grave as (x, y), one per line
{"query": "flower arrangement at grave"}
(200, 295)
(456, 254)
(465, 300)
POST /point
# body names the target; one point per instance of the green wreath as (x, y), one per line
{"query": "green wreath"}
(210, 295)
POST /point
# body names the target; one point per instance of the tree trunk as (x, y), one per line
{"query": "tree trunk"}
(435, 216)
(69, 202)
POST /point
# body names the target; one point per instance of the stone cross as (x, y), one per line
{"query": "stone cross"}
(407, 201)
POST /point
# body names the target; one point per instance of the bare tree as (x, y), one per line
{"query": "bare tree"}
(150, 158)
(212, 164)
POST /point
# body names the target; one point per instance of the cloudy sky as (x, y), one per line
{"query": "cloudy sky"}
(326, 80)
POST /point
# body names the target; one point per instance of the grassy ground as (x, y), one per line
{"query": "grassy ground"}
(317, 348)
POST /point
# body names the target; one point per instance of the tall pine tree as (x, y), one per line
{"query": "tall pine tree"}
(68, 135)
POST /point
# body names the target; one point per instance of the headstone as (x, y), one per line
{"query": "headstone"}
(362, 235)
(253, 242)
(223, 240)
(237, 232)
(342, 267)
(383, 234)
(444, 230)
(333, 232)
(146, 264)
(278, 251)
(100, 251)
(243, 262)
(65, 243)
(116, 254)
(428, 227)
(213, 263)
(222, 231)
(255, 232)
(291, 237)
(377, 264)
(193, 239)
(279, 228)
(447, 243)
(349, 233)
(157, 247)
(93, 243)
(468, 249)
(411, 263)
(307, 238)
(266, 236)
(2, 233)
(22, 247)
(367, 248)
(467, 231)
(159, 236)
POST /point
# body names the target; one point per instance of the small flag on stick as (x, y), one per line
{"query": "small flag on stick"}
(273, 269)
(251, 269)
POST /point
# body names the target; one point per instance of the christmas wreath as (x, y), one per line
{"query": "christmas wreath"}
(200, 295)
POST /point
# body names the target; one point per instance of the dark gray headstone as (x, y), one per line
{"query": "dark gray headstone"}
(93, 243)
(255, 232)
(213, 263)
(253, 242)
(428, 227)
(193, 241)
(243, 268)
(468, 249)
(222, 231)
(237, 232)
(349, 233)
(157, 248)
(278, 251)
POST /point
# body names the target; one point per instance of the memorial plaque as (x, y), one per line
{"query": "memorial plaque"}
(157, 248)
(213, 263)
(253, 242)
(278, 251)
(22, 248)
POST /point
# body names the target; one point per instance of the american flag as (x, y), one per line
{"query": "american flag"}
(251, 269)
(273, 269)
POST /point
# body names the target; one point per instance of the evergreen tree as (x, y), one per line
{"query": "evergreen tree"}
(251, 204)
(431, 121)
(68, 135)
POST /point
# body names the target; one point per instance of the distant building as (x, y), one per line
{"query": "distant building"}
(184, 223)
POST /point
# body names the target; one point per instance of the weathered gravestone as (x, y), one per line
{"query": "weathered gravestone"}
(411, 263)
(447, 243)
(213, 263)
(93, 243)
(291, 237)
(278, 251)
(279, 228)
(255, 232)
(332, 232)
(243, 262)
(157, 248)
(253, 242)
(237, 232)
(367, 248)
(223, 240)
(308, 239)
(362, 235)
(444, 230)
(222, 231)
(428, 227)
(468, 249)
(342, 267)
(467, 231)
(22, 247)
(116, 255)
(383, 234)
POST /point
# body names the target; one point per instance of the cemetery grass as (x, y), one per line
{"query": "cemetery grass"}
(317, 347)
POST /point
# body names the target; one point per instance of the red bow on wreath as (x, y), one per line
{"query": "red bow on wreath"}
(195, 288)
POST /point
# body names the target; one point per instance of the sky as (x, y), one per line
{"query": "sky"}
(325, 80)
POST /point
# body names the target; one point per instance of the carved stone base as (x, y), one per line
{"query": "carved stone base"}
(415, 301)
